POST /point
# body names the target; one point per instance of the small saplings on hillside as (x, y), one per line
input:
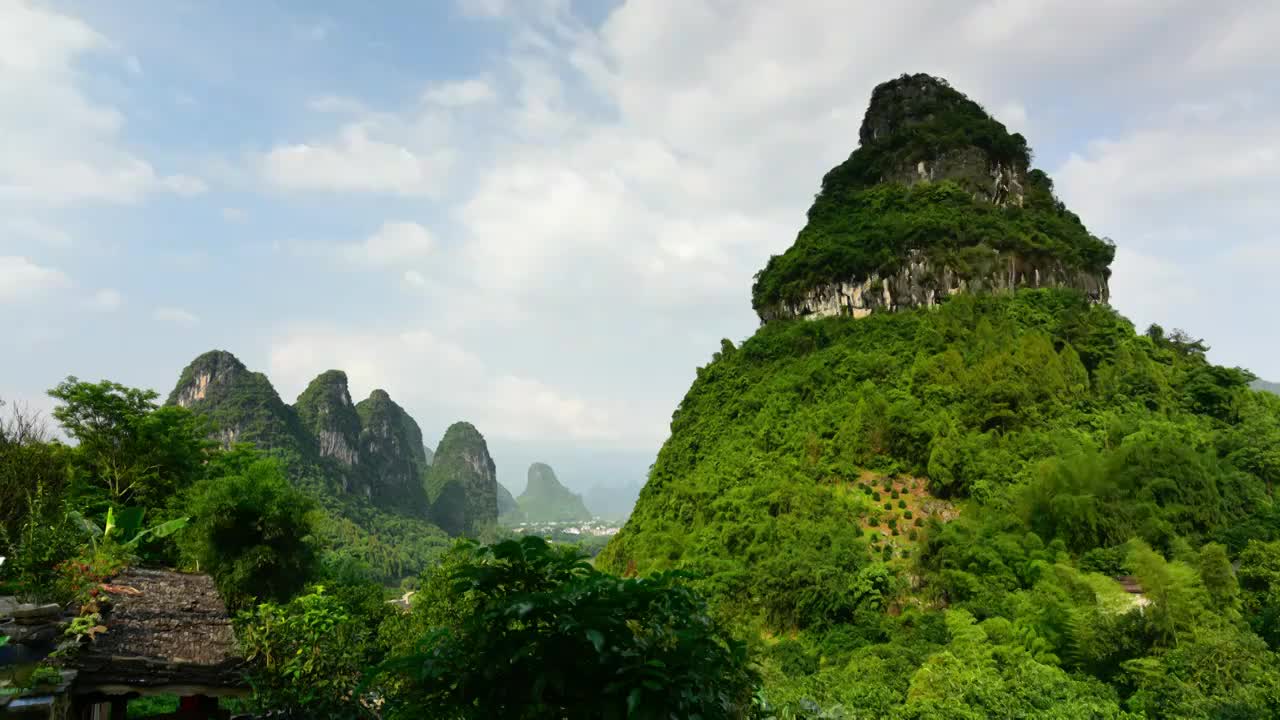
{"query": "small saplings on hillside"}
(963, 357)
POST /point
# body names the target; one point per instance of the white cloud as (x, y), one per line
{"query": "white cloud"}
(176, 316)
(358, 161)
(472, 91)
(105, 300)
(61, 146)
(20, 230)
(393, 243)
(234, 214)
(22, 279)
(440, 381)
(415, 279)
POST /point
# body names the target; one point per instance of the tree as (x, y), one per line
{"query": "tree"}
(252, 532)
(551, 637)
(129, 447)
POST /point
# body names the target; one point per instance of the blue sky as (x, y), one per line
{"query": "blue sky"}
(541, 216)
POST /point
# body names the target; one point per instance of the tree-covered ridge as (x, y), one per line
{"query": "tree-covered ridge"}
(375, 523)
(935, 179)
(545, 500)
(1073, 448)
(462, 482)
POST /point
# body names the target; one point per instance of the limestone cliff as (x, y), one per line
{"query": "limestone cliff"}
(462, 484)
(939, 198)
(327, 413)
(392, 451)
(243, 405)
(545, 500)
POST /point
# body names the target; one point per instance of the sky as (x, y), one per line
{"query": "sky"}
(542, 215)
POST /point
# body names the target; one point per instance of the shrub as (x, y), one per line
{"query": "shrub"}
(875, 496)
(894, 531)
(894, 495)
(902, 504)
(252, 532)
(309, 655)
(906, 515)
(551, 636)
(912, 535)
(919, 522)
(888, 506)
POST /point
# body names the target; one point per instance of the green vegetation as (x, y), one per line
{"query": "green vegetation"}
(396, 459)
(1074, 448)
(545, 500)
(362, 465)
(573, 642)
(462, 484)
(251, 530)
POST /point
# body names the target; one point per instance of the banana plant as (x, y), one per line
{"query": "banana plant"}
(129, 526)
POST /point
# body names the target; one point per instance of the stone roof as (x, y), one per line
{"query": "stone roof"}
(164, 629)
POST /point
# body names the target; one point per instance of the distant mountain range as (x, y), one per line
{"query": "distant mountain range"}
(1267, 386)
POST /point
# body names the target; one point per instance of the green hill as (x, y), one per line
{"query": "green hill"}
(364, 462)
(462, 483)
(545, 500)
(923, 513)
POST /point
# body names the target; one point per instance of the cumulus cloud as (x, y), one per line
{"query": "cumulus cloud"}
(357, 160)
(176, 316)
(393, 243)
(62, 146)
(105, 300)
(472, 91)
(21, 279)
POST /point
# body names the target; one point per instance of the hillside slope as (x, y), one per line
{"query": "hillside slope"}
(993, 501)
(545, 500)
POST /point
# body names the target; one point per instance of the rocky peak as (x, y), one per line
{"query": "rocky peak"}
(326, 411)
(939, 198)
(390, 443)
(542, 479)
(462, 483)
(242, 404)
(214, 369)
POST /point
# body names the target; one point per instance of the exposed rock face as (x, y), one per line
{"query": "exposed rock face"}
(462, 484)
(393, 453)
(243, 405)
(326, 410)
(922, 283)
(546, 500)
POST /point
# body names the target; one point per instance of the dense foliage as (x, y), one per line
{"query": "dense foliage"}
(251, 530)
(536, 632)
(1060, 447)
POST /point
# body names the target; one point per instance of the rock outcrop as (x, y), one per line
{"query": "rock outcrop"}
(922, 282)
(392, 451)
(508, 508)
(326, 411)
(939, 198)
(462, 484)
